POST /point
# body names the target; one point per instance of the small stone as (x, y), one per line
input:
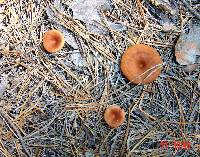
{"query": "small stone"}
(3, 84)
(188, 47)
(168, 27)
(89, 154)
(165, 6)
(87, 11)
(190, 68)
(77, 59)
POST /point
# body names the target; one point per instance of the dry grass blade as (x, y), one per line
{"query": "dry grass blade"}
(15, 129)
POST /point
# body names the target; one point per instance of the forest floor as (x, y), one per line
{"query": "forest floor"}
(52, 105)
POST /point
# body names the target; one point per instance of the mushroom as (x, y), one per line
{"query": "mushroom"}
(53, 41)
(140, 64)
(114, 116)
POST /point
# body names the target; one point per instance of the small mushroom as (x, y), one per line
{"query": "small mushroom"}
(114, 116)
(141, 64)
(53, 41)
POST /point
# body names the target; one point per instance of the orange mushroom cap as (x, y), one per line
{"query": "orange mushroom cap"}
(114, 116)
(53, 41)
(138, 64)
